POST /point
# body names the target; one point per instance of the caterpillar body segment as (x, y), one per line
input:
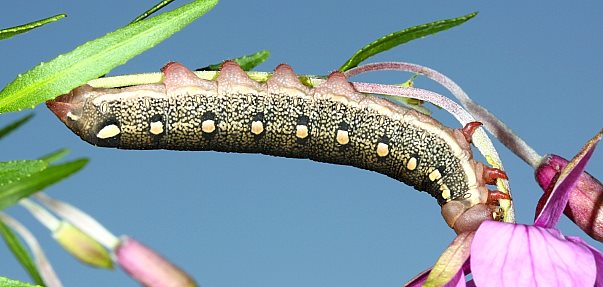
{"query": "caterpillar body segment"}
(330, 123)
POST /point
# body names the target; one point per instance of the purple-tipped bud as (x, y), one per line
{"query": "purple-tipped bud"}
(82, 246)
(148, 267)
(585, 205)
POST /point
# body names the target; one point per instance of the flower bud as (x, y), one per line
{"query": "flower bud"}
(82, 246)
(148, 267)
(585, 206)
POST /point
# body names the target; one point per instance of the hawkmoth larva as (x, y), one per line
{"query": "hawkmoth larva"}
(330, 123)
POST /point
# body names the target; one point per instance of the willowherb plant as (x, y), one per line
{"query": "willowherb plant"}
(567, 187)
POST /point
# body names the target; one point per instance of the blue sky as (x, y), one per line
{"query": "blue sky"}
(252, 220)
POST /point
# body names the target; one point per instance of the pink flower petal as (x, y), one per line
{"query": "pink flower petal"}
(598, 258)
(505, 254)
(549, 215)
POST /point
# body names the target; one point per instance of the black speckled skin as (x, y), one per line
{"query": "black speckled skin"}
(181, 108)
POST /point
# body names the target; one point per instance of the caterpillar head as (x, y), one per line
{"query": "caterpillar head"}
(94, 114)
(98, 115)
(91, 113)
(463, 219)
(69, 108)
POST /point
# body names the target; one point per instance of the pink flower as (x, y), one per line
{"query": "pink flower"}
(584, 206)
(504, 254)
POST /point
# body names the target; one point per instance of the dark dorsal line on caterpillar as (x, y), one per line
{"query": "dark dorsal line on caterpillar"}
(331, 123)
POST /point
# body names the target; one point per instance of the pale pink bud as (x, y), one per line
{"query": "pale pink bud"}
(148, 267)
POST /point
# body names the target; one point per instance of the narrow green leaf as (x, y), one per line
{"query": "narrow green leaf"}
(96, 58)
(14, 125)
(19, 251)
(9, 32)
(6, 282)
(54, 156)
(151, 11)
(394, 39)
(247, 62)
(12, 192)
(13, 171)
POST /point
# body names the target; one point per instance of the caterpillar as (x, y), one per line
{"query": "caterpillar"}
(330, 123)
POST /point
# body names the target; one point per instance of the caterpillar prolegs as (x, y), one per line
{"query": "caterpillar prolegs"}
(331, 123)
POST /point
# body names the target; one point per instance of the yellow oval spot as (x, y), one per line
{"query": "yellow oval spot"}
(342, 137)
(257, 127)
(208, 126)
(411, 164)
(445, 192)
(435, 175)
(156, 127)
(301, 131)
(108, 132)
(382, 149)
